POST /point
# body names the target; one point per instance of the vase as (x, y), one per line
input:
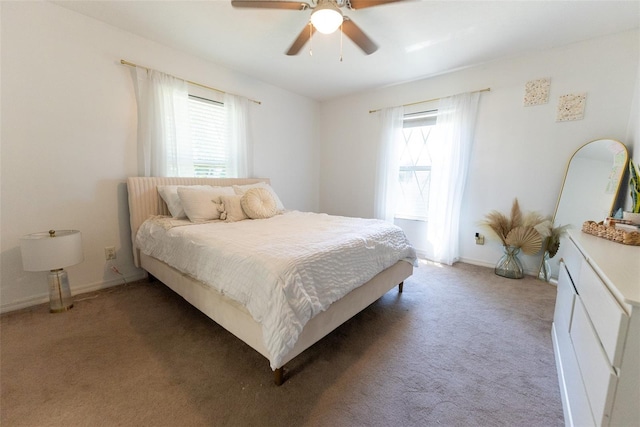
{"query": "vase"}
(509, 265)
(545, 268)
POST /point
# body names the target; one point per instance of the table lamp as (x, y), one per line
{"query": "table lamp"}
(53, 251)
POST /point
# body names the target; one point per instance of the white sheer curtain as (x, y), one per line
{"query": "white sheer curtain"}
(164, 141)
(388, 163)
(240, 160)
(163, 120)
(454, 132)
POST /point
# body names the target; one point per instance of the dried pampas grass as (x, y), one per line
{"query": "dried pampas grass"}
(517, 230)
(497, 225)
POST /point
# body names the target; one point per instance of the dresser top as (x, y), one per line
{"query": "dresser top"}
(617, 265)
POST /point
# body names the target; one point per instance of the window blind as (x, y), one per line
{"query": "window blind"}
(209, 147)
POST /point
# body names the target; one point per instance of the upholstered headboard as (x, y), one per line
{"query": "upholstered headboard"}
(144, 200)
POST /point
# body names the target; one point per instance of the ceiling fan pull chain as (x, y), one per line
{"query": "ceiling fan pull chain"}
(341, 35)
(310, 39)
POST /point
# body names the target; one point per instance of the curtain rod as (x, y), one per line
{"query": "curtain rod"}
(488, 89)
(131, 64)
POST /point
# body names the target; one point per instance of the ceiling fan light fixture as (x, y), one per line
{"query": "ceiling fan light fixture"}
(326, 18)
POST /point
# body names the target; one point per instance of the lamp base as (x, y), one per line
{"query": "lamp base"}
(59, 292)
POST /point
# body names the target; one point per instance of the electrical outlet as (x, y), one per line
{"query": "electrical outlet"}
(479, 239)
(110, 253)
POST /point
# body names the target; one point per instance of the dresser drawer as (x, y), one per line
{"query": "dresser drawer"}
(572, 258)
(598, 376)
(609, 320)
(564, 301)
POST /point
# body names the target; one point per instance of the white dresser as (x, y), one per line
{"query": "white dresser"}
(596, 332)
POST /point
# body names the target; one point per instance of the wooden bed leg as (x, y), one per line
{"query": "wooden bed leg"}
(400, 285)
(278, 376)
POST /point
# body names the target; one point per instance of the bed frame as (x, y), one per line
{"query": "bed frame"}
(144, 202)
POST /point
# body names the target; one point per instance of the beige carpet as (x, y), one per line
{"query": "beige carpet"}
(460, 347)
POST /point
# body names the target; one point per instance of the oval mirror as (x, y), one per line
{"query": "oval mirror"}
(590, 187)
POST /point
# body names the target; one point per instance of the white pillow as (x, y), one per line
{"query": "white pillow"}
(169, 194)
(241, 189)
(232, 209)
(202, 204)
(258, 203)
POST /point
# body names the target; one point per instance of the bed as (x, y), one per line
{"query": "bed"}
(148, 211)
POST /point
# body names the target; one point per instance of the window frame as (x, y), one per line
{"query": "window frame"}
(416, 120)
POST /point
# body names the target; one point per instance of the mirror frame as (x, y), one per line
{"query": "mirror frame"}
(615, 195)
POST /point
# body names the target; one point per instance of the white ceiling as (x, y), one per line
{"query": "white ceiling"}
(417, 39)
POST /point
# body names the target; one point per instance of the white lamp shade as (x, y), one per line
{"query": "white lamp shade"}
(41, 252)
(326, 19)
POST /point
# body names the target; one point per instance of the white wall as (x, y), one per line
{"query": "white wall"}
(518, 151)
(68, 135)
(68, 138)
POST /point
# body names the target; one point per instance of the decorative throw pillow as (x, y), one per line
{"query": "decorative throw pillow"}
(202, 204)
(232, 209)
(169, 194)
(241, 189)
(258, 203)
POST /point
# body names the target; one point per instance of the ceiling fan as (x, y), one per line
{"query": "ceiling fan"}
(326, 17)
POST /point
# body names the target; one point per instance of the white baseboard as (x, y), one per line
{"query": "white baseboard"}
(77, 290)
(423, 255)
(477, 262)
(44, 298)
(527, 271)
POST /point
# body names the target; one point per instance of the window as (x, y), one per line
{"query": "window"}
(415, 166)
(208, 129)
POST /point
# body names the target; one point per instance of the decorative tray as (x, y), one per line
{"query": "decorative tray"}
(611, 233)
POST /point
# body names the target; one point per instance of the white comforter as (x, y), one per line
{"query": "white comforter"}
(284, 269)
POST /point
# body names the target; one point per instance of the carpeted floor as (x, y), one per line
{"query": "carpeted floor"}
(459, 347)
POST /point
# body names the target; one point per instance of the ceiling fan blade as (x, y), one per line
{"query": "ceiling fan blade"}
(358, 36)
(271, 4)
(302, 39)
(361, 4)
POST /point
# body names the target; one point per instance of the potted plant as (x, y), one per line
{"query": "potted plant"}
(516, 233)
(634, 190)
(550, 246)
